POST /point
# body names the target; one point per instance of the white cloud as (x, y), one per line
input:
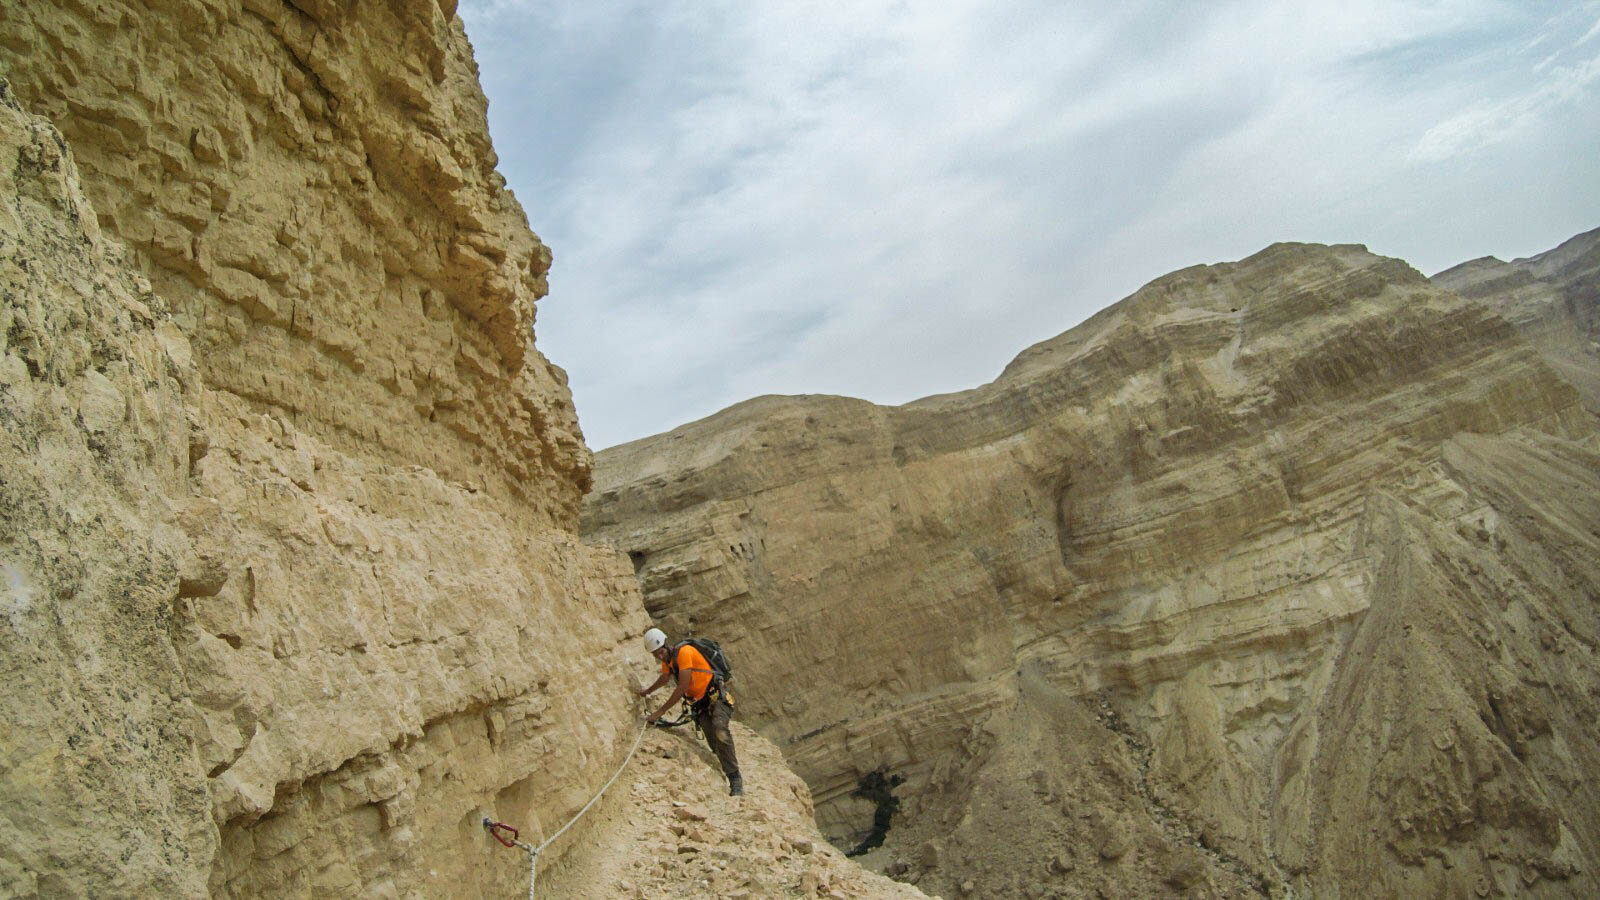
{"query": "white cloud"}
(891, 200)
(1591, 33)
(1491, 122)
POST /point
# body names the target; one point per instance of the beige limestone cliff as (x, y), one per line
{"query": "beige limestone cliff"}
(1554, 300)
(1218, 592)
(242, 662)
(100, 788)
(293, 594)
(312, 187)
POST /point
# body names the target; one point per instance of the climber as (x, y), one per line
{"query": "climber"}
(710, 701)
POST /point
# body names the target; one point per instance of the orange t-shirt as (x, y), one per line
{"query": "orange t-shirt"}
(690, 660)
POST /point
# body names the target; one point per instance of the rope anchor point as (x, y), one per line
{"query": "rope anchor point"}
(499, 831)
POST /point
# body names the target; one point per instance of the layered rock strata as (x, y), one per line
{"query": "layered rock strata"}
(101, 789)
(1554, 300)
(311, 187)
(293, 593)
(1234, 520)
(239, 661)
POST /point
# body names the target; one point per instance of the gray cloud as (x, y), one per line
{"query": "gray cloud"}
(890, 200)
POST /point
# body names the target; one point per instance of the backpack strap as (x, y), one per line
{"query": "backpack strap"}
(674, 663)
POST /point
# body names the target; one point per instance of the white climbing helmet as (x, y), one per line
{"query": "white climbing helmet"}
(655, 639)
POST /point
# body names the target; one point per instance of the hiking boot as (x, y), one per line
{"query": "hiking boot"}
(735, 786)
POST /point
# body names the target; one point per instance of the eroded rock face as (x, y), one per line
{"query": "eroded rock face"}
(1459, 721)
(241, 662)
(1553, 299)
(1238, 521)
(293, 598)
(101, 792)
(312, 188)
(292, 595)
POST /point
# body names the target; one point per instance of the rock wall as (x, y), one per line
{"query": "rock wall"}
(1223, 519)
(312, 187)
(1460, 718)
(293, 593)
(1554, 300)
(101, 789)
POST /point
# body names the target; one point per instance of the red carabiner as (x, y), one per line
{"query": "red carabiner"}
(496, 827)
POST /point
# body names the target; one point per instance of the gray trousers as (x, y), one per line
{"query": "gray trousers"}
(711, 716)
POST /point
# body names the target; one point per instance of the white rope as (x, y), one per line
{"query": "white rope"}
(533, 852)
(570, 822)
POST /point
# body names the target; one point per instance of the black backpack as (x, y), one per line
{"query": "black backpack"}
(721, 670)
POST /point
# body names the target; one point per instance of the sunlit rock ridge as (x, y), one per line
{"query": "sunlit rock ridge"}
(290, 495)
(293, 595)
(1276, 576)
(1554, 300)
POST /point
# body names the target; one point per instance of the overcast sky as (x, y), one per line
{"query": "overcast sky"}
(889, 200)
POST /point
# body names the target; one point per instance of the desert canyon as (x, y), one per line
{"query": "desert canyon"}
(1280, 577)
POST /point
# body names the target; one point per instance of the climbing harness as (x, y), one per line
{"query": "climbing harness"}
(716, 693)
(685, 716)
(509, 836)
